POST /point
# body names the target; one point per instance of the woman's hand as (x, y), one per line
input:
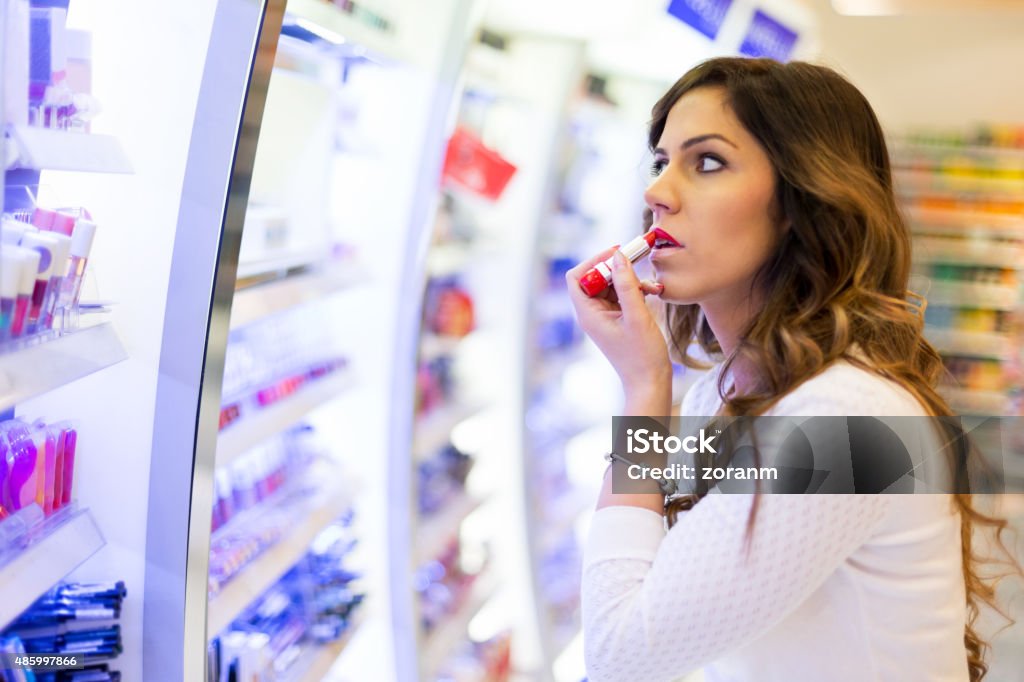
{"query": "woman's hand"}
(622, 326)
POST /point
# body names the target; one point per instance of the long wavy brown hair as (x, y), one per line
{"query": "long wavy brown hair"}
(838, 277)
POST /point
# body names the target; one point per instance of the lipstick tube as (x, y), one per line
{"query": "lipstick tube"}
(29, 268)
(599, 277)
(81, 245)
(53, 255)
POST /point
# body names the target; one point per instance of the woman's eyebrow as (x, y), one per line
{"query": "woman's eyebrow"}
(698, 139)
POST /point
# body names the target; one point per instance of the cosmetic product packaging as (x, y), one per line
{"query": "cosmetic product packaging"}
(599, 277)
(18, 525)
(10, 278)
(53, 252)
(47, 62)
(81, 246)
(15, 54)
(29, 267)
(62, 223)
(42, 218)
(13, 230)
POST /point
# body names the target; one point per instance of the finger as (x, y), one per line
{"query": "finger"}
(627, 286)
(651, 288)
(574, 274)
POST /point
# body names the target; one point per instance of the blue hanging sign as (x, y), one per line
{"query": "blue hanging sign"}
(768, 38)
(704, 15)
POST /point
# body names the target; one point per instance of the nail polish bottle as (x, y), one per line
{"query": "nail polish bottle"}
(29, 267)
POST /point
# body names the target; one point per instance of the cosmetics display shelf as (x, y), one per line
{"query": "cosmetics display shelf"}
(318, 660)
(45, 149)
(292, 260)
(257, 427)
(48, 361)
(965, 221)
(437, 345)
(253, 303)
(440, 644)
(913, 181)
(553, 364)
(972, 252)
(971, 343)
(256, 578)
(904, 150)
(973, 294)
(63, 544)
(976, 402)
(434, 532)
(345, 28)
(434, 429)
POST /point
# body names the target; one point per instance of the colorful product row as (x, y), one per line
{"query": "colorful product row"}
(46, 70)
(441, 478)
(974, 275)
(435, 384)
(362, 13)
(969, 319)
(448, 307)
(71, 619)
(260, 473)
(279, 390)
(976, 374)
(988, 205)
(313, 604)
(42, 266)
(37, 465)
(443, 587)
(989, 135)
(234, 547)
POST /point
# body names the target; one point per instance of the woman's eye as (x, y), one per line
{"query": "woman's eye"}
(709, 163)
(658, 166)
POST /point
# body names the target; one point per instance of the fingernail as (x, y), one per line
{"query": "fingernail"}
(618, 260)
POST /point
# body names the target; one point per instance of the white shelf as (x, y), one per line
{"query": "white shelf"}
(35, 366)
(262, 300)
(552, 364)
(974, 295)
(436, 531)
(257, 426)
(440, 644)
(268, 568)
(327, 16)
(29, 574)
(45, 149)
(434, 430)
(435, 345)
(959, 342)
(279, 262)
(972, 402)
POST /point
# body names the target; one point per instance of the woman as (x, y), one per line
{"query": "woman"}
(792, 267)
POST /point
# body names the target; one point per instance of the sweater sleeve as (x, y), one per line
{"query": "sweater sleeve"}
(659, 605)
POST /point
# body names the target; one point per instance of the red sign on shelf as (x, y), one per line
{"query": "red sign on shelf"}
(471, 165)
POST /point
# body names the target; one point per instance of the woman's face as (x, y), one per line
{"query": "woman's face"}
(713, 192)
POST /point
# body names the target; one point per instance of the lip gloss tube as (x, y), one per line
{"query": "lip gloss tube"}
(53, 253)
(81, 245)
(599, 277)
(10, 278)
(29, 268)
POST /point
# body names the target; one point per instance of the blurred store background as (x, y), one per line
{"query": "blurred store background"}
(302, 396)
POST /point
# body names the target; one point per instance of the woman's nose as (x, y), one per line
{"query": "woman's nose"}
(660, 198)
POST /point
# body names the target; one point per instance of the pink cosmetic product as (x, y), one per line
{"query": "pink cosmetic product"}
(10, 278)
(70, 443)
(62, 223)
(81, 245)
(29, 267)
(42, 218)
(53, 253)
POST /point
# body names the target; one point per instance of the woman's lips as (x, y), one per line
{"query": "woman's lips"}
(663, 240)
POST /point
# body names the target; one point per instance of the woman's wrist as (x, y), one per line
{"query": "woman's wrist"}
(650, 399)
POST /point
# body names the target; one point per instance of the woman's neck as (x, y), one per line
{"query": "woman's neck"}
(728, 321)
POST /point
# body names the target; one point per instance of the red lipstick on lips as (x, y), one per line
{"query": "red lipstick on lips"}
(599, 277)
(661, 234)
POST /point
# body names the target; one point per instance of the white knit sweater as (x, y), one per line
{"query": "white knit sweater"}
(834, 588)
